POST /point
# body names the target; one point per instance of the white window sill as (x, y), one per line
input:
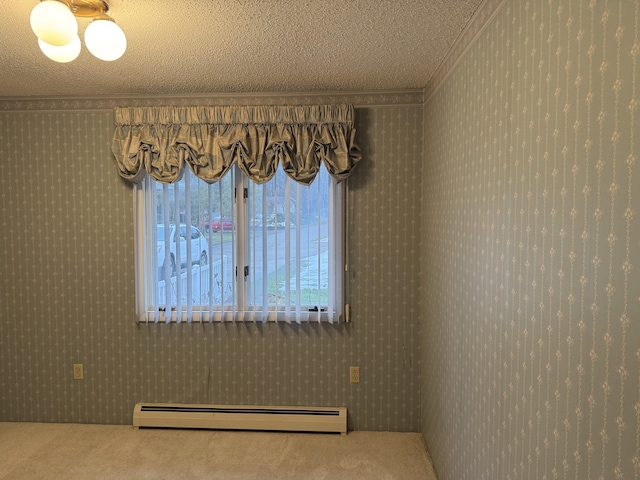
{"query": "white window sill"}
(243, 316)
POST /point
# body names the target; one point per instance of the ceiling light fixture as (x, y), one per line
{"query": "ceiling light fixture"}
(54, 23)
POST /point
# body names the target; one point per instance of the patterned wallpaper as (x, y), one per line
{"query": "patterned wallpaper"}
(530, 339)
(67, 289)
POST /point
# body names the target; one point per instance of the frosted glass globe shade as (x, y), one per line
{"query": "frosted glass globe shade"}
(53, 23)
(105, 40)
(63, 54)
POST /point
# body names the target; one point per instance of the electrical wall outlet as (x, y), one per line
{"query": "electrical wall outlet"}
(78, 371)
(354, 374)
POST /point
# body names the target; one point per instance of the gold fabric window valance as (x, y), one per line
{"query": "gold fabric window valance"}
(159, 141)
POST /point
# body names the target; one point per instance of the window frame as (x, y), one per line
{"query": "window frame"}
(146, 262)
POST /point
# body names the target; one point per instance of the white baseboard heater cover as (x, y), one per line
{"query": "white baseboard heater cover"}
(241, 417)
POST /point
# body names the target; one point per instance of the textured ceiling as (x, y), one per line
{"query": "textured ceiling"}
(242, 46)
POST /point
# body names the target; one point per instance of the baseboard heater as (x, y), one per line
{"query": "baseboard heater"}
(241, 417)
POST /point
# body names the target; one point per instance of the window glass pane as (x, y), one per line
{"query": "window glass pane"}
(288, 245)
(206, 255)
(271, 252)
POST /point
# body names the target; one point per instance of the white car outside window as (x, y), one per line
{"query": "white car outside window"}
(199, 248)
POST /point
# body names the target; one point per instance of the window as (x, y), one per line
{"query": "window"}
(254, 252)
(212, 245)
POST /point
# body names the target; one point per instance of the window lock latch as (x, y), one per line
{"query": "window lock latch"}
(316, 309)
(246, 271)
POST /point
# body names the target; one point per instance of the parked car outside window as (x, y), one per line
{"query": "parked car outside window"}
(217, 224)
(199, 248)
(278, 221)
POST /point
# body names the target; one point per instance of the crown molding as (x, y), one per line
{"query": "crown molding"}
(357, 99)
(481, 19)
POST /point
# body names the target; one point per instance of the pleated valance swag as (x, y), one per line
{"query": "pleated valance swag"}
(159, 141)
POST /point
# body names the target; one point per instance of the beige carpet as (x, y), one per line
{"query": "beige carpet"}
(70, 451)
